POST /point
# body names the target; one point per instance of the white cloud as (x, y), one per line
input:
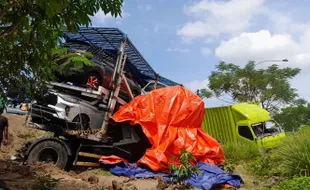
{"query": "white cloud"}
(196, 84)
(179, 50)
(101, 19)
(263, 45)
(205, 51)
(213, 18)
(145, 8)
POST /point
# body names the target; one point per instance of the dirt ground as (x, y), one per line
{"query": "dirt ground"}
(15, 176)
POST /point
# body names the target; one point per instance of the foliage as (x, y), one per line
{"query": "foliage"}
(269, 86)
(237, 153)
(291, 118)
(184, 170)
(241, 151)
(204, 93)
(288, 160)
(71, 62)
(266, 166)
(295, 153)
(297, 183)
(31, 30)
(45, 182)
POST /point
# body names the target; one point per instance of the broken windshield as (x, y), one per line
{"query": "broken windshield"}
(267, 128)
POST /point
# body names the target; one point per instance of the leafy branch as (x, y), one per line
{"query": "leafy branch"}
(71, 62)
(184, 170)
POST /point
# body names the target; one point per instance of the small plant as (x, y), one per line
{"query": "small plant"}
(45, 182)
(184, 170)
(100, 188)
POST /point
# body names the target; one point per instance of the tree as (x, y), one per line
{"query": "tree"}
(270, 87)
(294, 116)
(30, 31)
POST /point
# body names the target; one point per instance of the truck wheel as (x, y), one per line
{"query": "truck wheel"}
(49, 152)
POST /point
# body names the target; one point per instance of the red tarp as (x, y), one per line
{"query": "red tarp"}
(171, 119)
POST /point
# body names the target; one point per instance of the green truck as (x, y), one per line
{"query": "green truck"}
(244, 123)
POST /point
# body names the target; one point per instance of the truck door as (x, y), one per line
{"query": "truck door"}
(245, 134)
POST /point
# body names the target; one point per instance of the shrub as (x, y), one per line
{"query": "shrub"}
(294, 154)
(297, 183)
(292, 158)
(267, 165)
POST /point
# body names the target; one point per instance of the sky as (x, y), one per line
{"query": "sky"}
(183, 40)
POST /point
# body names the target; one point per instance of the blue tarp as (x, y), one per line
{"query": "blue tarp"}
(211, 175)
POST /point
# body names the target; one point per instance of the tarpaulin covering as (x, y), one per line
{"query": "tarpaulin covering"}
(171, 119)
(211, 176)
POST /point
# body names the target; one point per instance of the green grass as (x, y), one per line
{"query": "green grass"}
(292, 158)
(239, 153)
(101, 172)
(296, 183)
(290, 161)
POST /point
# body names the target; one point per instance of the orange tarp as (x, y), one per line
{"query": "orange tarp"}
(171, 119)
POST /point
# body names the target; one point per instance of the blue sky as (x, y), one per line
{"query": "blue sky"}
(183, 40)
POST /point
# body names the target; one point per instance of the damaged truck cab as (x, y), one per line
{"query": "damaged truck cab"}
(244, 123)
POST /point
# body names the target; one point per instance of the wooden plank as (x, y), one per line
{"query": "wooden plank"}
(90, 155)
(89, 164)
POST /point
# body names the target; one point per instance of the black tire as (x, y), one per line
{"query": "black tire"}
(49, 151)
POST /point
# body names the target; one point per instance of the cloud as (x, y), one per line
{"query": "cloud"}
(205, 51)
(263, 45)
(196, 84)
(179, 50)
(212, 18)
(101, 19)
(145, 8)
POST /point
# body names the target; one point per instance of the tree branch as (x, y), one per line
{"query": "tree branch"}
(7, 8)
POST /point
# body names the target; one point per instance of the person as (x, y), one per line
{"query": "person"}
(3, 128)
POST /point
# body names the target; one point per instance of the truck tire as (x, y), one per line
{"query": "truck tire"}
(49, 151)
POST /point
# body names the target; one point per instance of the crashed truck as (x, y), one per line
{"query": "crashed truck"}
(108, 122)
(245, 123)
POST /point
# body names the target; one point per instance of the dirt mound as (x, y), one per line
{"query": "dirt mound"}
(15, 176)
(19, 135)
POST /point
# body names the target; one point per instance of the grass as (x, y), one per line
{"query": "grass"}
(101, 172)
(296, 183)
(290, 161)
(239, 153)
